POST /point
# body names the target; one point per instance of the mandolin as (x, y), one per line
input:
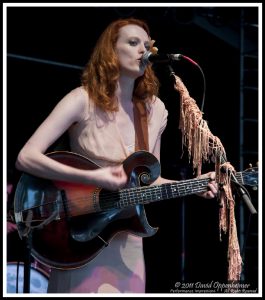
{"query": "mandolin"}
(70, 224)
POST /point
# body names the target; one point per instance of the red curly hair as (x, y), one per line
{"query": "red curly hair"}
(101, 74)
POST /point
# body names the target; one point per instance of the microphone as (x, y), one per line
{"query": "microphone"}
(159, 58)
(165, 58)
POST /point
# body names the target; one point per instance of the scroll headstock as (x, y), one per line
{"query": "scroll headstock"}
(249, 177)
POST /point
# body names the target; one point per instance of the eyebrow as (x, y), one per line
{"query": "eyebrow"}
(136, 37)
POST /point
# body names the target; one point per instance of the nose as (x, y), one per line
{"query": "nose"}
(142, 48)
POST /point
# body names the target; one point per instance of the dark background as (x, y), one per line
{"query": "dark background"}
(187, 246)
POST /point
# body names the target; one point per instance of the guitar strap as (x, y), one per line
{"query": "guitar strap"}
(141, 126)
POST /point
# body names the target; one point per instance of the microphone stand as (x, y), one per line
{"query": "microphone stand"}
(242, 193)
(244, 196)
(27, 262)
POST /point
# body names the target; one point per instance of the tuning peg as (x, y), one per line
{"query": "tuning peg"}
(257, 164)
(250, 165)
(255, 188)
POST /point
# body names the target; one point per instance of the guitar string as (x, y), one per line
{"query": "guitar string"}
(179, 185)
(163, 193)
(167, 192)
(136, 193)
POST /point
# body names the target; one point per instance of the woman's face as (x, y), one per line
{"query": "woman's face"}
(132, 43)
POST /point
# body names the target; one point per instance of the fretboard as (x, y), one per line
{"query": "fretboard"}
(144, 195)
(148, 194)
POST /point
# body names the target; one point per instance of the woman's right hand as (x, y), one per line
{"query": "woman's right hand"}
(110, 178)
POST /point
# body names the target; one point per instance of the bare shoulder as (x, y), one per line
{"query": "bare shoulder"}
(78, 95)
(157, 103)
(75, 101)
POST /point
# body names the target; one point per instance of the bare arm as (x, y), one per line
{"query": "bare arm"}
(32, 159)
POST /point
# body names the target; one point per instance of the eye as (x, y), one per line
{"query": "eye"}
(147, 47)
(133, 42)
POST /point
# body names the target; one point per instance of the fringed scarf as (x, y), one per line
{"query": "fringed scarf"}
(202, 146)
(227, 222)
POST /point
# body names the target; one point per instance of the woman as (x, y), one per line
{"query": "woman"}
(100, 121)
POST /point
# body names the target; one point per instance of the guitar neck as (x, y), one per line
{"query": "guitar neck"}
(162, 192)
(145, 195)
(149, 194)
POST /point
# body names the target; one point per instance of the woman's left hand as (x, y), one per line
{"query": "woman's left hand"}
(212, 186)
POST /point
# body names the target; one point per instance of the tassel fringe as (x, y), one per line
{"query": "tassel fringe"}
(203, 146)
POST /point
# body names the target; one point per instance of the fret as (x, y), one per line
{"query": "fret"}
(165, 188)
(174, 190)
(123, 199)
(148, 194)
(159, 194)
(187, 189)
(144, 195)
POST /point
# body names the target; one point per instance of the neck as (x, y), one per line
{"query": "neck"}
(124, 91)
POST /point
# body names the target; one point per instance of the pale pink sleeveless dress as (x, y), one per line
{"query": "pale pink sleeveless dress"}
(120, 267)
